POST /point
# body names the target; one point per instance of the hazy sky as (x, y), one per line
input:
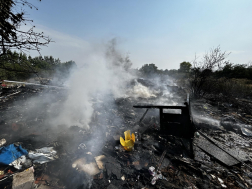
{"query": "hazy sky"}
(164, 32)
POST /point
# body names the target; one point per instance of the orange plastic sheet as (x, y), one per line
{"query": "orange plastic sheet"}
(129, 141)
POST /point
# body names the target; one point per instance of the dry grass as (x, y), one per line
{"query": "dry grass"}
(233, 87)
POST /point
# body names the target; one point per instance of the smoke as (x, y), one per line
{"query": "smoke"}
(102, 72)
(207, 122)
(142, 91)
(158, 90)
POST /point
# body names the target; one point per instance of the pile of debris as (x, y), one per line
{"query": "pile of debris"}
(36, 155)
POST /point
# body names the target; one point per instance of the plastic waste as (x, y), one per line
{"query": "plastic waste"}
(18, 162)
(129, 141)
(21, 162)
(82, 146)
(246, 132)
(43, 155)
(2, 142)
(155, 175)
(10, 153)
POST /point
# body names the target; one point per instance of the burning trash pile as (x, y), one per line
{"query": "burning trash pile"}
(156, 140)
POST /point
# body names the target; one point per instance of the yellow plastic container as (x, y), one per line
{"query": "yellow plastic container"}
(129, 141)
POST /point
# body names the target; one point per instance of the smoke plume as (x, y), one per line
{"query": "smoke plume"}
(102, 72)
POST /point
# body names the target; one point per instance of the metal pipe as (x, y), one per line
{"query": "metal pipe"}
(35, 84)
(144, 115)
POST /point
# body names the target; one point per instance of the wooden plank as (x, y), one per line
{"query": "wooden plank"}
(215, 151)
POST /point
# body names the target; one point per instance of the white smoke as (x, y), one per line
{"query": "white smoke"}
(102, 72)
(141, 91)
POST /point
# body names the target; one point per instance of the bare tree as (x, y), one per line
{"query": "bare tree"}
(12, 17)
(202, 79)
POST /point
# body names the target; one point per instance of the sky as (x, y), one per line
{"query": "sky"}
(163, 32)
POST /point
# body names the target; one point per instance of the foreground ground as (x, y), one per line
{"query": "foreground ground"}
(94, 158)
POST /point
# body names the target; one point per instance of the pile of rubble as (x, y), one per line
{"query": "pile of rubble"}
(73, 157)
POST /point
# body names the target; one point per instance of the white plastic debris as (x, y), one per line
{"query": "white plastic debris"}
(222, 183)
(74, 165)
(89, 153)
(155, 175)
(197, 134)
(213, 176)
(223, 186)
(220, 180)
(2, 142)
(246, 132)
(82, 146)
(18, 162)
(123, 177)
(43, 155)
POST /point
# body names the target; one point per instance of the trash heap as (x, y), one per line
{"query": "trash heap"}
(120, 152)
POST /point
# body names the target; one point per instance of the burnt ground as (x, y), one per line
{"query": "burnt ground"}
(24, 121)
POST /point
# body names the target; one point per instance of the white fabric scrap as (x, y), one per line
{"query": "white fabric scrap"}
(43, 155)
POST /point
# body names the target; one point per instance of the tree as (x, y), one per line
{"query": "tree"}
(149, 69)
(45, 67)
(185, 67)
(240, 71)
(227, 70)
(12, 16)
(201, 75)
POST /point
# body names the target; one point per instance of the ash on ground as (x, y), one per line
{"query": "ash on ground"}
(94, 158)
